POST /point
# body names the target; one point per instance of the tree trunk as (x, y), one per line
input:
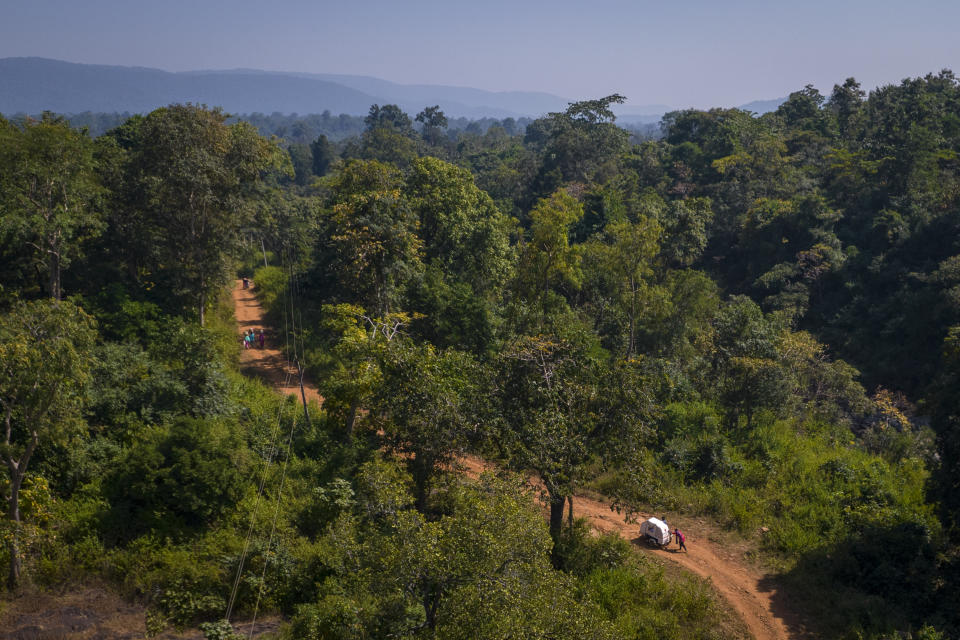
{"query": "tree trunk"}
(55, 276)
(352, 416)
(633, 321)
(557, 504)
(203, 306)
(431, 600)
(18, 470)
(420, 470)
(13, 578)
(570, 512)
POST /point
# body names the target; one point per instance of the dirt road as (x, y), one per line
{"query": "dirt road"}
(731, 576)
(268, 363)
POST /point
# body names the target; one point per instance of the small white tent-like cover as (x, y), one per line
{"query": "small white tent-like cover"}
(656, 531)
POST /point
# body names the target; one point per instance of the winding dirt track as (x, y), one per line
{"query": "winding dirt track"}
(745, 589)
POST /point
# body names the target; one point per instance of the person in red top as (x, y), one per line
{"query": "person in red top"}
(681, 540)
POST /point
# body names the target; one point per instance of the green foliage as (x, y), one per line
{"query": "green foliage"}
(271, 289)
(428, 404)
(642, 602)
(45, 350)
(301, 157)
(221, 630)
(580, 552)
(323, 154)
(176, 479)
(434, 122)
(463, 233)
(191, 178)
(547, 394)
(45, 354)
(548, 265)
(625, 258)
(184, 585)
(48, 194)
(841, 520)
(370, 246)
(581, 144)
(479, 571)
(467, 253)
(671, 323)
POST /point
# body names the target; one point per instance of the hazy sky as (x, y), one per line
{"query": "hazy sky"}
(686, 53)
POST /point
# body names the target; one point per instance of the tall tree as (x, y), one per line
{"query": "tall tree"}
(629, 258)
(48, 192)
(301, 157)
(945, 484)
(579, 142)
(45, 358)
(749, 374)
(370, 248)
(462, 231)
(195, 178)
(434, 122)
(428, 408)
(545, 389)
(846, 102)
(467, 254)
(324, 154)
(389, 116)
(547, 261)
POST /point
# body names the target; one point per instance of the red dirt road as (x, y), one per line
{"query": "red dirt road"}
(268, 363)
(731, 576)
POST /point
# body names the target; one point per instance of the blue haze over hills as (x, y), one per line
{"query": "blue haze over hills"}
(33, 85)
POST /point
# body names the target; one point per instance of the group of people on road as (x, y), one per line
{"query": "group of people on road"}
(251, 338)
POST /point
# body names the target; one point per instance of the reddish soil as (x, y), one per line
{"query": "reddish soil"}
(730, 577)
(93, 613)
(743, 587)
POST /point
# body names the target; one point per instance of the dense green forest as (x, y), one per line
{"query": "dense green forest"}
(750, 319)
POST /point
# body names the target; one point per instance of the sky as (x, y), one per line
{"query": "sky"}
(685, 53)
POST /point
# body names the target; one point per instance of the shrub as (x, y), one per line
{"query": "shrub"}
(270, 285)
(178, 478)
(579, 552)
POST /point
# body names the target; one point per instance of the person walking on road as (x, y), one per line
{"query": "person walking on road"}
(681, 540)
(260, 338)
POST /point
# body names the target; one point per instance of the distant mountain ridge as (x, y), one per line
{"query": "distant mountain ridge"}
(33, 85)
(515, 103)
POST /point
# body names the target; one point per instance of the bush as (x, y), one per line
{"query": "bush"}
(182, 584)
(579, 552)
(270, 285)
(642, 603)
(178, 478)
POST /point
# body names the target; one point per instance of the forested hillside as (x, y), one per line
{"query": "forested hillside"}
(753, 320)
